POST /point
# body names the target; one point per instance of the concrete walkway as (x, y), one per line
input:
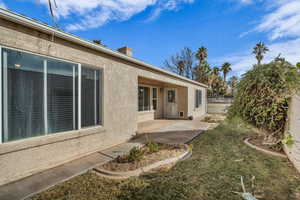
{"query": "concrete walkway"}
(36, 183)
(162, 125)
(163, 131)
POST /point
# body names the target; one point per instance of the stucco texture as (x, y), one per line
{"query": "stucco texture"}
(120, 117)
(293, 152)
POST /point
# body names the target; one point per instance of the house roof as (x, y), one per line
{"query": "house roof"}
(29, 22)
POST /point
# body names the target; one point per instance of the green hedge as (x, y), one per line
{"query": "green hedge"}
(263, 96)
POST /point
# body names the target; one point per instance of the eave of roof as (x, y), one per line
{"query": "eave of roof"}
(26, 21)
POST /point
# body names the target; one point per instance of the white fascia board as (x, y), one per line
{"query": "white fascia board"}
(21, 19)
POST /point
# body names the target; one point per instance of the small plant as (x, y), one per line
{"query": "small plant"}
(191, 146)
(207, 119)
(288, 141)
(153, 147)
(135, 154)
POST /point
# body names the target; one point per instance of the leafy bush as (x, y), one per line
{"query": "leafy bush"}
(135, 154)
(153, 147)
(288, 140)
(263, 96)
(207, 119)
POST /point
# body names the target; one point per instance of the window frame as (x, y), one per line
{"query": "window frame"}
(198, 98)
(101, 97)
(79, 67)
(154, 98)
(149, 99)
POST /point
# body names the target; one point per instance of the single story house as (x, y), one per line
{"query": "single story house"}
(63, 97)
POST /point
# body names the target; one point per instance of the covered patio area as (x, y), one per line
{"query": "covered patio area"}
(170, 131)
(161, 100)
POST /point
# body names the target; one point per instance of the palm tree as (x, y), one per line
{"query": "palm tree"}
(233, 81)
(202, 71)
(201, 54)
(214, 74)
(216, 71)
(226, 68)
(259, 50)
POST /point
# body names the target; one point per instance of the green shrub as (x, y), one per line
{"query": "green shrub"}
(263, 96)
(288, 140)
(153, 147)
(207, 119)
(135, 154)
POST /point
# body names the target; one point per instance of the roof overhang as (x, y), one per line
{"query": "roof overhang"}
(23, 20)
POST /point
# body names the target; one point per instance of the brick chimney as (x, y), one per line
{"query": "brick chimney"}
(126, 50)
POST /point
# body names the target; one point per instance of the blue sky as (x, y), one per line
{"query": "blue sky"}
(156, 29)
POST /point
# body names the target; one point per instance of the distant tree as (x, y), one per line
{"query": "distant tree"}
(233, 81)
(259, 50)
(202, 54)
(216, 71)
(218, 87)
(182, 63)
(298, 65)
(202, 70)
(99, 42)
(226, 68)
(214, 74)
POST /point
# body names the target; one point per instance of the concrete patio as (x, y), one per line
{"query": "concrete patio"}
(170, 131)
(163, 125)
(163, 131)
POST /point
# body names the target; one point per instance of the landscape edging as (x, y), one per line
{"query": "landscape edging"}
(246, 141)
(137, 172)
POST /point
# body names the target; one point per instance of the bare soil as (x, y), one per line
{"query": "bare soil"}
(214, 118)
(258, 141)
(165, 152)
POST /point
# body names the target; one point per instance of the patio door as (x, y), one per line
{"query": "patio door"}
(171, 106)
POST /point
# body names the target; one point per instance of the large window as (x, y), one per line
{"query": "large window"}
(23, 103)
(198, 98)
(40, 96)
(144, 99)
(90, 96)
(61, 96)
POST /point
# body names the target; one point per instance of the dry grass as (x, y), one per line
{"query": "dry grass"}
(213, 172)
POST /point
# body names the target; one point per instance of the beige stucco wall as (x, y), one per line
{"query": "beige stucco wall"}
(293, 128)
(192, 111)
(25, 157)
(183, 101)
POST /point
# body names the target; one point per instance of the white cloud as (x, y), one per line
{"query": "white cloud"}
(2, 5)
(95, 13)
(245, 1)
(282, 21)
(244, 61)
(166, 5)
